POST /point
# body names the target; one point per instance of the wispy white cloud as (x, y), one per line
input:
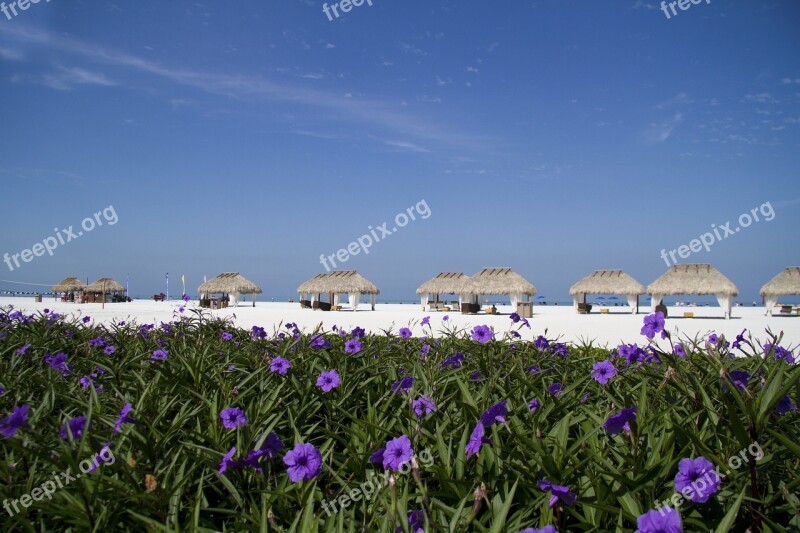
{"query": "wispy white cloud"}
(661, 131)
(244, 87)
(406, 146)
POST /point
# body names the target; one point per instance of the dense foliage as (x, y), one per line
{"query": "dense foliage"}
(199, 425)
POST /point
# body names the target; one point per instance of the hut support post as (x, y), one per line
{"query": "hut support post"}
(254, 299)
(372, 301)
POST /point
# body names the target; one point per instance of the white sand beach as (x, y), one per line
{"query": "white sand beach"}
(558, 321)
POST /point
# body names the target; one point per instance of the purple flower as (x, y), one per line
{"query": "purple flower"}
(781, 354)
(653, 324)
(739, 340)
(402, 385)
(740, 378)
(303, 461)
(270, 448)
(454, 361)
(482, 334)
(86, 319)
(559, 493)
(534, 369)
(319, 342)
(632, 353)
(233, 417)
(426, 349)
(679, 351)
(58, 362)
(476, 377)
(352, 346)
(713, 339)
(617, 422)
(2, 391)
(22, 350)
(97, 342)
(425, 321)
(534, 405)
(377, 456)
(495, 413)
(697, 478)
(561, 349)
(258, 332)
(785, 405)
(423, 406)
(666, 520)
(405, 333)
(358, 333)
(445, 318)
(541, 343)
(555, 390)
(124, 418)
(327, 381)
(476, 440)
(514, 317)
(159, 355)
(416, 522)
(226, 336)
(17, 420)
(545, 529)
(228, 462)
(280, 366)
(109, 350)
(398, 452)
(76, 426)
(603, 371)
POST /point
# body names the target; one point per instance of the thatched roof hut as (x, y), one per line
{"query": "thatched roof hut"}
(444, 283)
(500, 281)
(787, 283)
(699, 279)
(231, 283)
(107, 285)
(608, 282)
(337, 283)
(72, 284)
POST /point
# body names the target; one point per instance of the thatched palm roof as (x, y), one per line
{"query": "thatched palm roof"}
(693, 279)
(444, 283)
(69, 285)
(105, 284)
(607, 282)
(229, 282)
(499, 281)
(784, 284)
(341, 282)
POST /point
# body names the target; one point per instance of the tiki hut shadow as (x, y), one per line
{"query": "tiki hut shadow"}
(694, 279)
(614, 282)
(230, 286)
(334, 285)
(787, 283)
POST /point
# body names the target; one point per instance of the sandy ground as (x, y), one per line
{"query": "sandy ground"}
(559, 321)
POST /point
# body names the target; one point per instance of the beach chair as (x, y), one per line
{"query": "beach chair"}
(584, 309)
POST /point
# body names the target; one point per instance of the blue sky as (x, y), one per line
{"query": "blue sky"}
(554, 138)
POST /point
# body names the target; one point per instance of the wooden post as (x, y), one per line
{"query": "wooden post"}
(104, 295)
